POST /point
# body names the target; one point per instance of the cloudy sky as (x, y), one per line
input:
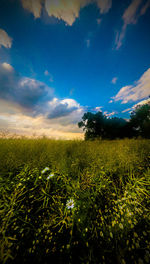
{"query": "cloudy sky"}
(61, 58)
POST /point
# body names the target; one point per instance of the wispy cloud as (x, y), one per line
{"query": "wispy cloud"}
(108, 114)
(131, 16)
(66, 10)
(98, 108)
(5, 40)
(34, 6)
(145, 7)
(138, 104)
(104, 5)
(114, 80)
(47, 73)
(99, 21)
(88, 42)
(138, 91)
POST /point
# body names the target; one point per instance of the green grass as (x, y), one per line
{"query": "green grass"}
(109, 184)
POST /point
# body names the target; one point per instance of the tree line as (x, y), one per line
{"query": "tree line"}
(98, 125)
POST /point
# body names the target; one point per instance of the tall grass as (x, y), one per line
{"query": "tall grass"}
(106, 184)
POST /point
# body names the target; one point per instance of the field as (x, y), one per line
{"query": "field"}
(74, 201)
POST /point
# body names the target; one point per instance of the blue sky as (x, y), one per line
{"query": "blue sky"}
(61, 58)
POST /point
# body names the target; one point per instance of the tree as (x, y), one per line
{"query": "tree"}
(93, 125)
(116, 128)
(140, 120)
(99, 126)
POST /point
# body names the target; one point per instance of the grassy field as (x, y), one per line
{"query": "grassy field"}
(74, 201)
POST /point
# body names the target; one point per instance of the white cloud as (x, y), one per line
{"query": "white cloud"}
(142, 102)
(70, 103)
(138, 91)
(60, 108)
(5, 40)
(138, 104)
(110, 114)
(131, 16)
(7, 66)
(104, 5)
(34, 6)
(114, 80)
(69, 10)
(127, 110)
(66, 10)
(98, 108)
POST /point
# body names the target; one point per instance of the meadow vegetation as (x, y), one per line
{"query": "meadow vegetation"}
(74, 201)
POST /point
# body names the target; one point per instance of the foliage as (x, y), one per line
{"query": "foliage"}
(74, 202)
(93, 124)
(140, 120)
(99, 126)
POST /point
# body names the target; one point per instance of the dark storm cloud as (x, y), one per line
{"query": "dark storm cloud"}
(8, 78)
(25, 91)
(61, 110)
(34, 96)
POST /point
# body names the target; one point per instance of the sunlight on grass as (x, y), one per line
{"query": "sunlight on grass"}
(74, 202)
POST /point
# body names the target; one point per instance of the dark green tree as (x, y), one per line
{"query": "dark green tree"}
(99, 126)
(140, 120)
(116, 128)
(93, 125)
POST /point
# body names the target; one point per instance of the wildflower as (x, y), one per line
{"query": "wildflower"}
(46, 169)
(51, 175)
(70, 204)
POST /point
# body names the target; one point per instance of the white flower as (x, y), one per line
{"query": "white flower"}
(70, 204)
(51, 175)
(46, 169)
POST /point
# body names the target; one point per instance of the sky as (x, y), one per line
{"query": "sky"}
(62, 58)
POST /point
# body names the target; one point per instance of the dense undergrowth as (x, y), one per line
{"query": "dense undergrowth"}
(90, 205)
